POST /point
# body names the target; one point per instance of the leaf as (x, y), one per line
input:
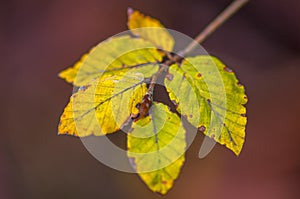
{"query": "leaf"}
(102, 106)
(117, 54)
(156, 147)
(216, 97)
(150, 29)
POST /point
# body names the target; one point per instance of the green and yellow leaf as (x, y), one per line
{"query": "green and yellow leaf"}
(103, 106)
(209, 95)
(150, 29)
(156, 147)
(115, 55)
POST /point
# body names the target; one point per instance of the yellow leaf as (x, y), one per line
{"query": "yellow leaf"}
(103, 106)
(156, 147)
(150, 29)
(216, 96)
(117, 54)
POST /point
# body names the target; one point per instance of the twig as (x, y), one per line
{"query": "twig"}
(212, 26)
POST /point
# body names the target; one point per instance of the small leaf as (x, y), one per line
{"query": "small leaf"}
(103, 106)
(208, 94)
(117, 54)
(157, 146)
(150, 29)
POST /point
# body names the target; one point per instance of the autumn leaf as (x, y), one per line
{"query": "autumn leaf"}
(156, 146)
(117, 54)
(102, 106)
(217, 99)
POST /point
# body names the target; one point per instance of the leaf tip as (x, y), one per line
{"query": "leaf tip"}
(61, 75)
(237, 153)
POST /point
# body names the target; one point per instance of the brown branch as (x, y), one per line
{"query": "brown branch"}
(212, 26)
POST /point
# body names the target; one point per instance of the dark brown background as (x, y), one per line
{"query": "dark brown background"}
(40, 38)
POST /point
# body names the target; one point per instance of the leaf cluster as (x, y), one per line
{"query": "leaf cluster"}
(114, 82)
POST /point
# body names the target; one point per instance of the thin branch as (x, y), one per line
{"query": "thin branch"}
(212, 26)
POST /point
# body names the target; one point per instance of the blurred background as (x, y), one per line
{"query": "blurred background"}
(40, 38)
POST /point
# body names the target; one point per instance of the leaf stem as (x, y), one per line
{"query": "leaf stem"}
(212, 26)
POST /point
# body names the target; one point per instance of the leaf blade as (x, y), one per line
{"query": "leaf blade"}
(103, 106)
(157, 148)
(218, 99)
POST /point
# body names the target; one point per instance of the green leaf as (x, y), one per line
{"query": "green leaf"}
(156, 146)
(117, 54)
(103, 106)
(209, 95)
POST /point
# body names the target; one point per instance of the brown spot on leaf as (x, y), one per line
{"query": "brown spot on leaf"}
(243, 114)
(199, 75)
(191, 116)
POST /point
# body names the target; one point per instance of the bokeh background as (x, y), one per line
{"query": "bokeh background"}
(40, 38)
